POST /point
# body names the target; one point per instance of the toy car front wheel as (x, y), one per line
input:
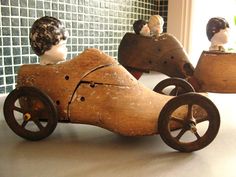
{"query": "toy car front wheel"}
(30, 113)
(173, 86)
(189, 122)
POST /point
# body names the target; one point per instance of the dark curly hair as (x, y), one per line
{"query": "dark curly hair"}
(46, 32)
(214, 25)
(138, 25)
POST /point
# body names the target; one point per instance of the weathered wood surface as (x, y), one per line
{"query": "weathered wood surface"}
(164, 54)
(93, 88)
(216, 72)
(59, 81)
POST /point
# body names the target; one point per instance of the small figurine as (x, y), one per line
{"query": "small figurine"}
(141, 28)
(48, 38)
(155, 24)
(217, 31)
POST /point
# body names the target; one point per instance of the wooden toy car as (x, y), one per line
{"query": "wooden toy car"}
(94, 89)
(164, 54)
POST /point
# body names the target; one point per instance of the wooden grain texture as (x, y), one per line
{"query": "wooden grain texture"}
(128, 110)
(164, 54)
(59, 81)
(93, 88)
(216, 72)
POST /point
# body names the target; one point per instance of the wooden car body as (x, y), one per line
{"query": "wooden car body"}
(164, 54)
(216, 72)
(94, 89)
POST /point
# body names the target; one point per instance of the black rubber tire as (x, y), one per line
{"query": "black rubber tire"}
(34, 105)
(212, 116)
(181, 86)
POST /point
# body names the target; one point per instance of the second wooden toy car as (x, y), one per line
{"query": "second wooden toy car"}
(165, 54)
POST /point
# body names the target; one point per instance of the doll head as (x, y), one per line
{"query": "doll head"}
(48, 40)
(155, 24)
(217, 32)
(140, 27)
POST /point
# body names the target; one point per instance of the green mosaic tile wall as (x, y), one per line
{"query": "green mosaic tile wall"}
(91, 23)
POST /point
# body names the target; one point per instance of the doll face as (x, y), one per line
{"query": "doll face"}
(145, 31)
(221, 37)
(155, 24)
(160, 28)
(57, 53)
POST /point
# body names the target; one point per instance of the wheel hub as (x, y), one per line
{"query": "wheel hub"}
(27, 116)
(192, 127)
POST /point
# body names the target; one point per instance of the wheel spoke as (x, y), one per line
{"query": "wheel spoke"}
(18, 109)
(181, 133)
(176, 90)
(24, 123)
(197, 135)
(190, 111)
(202, 119)
(176, 119)
(38, 123)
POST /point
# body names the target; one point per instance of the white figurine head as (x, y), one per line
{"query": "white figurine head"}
(217, 33)
(155, 24)
(141, 27)
(48, 39)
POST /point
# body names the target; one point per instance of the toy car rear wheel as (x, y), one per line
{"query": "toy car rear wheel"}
(30, 113)
(189, 122)
(181, 86)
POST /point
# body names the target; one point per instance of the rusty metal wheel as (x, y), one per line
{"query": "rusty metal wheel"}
(30, 113)
(173, 87)
(189, 122)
